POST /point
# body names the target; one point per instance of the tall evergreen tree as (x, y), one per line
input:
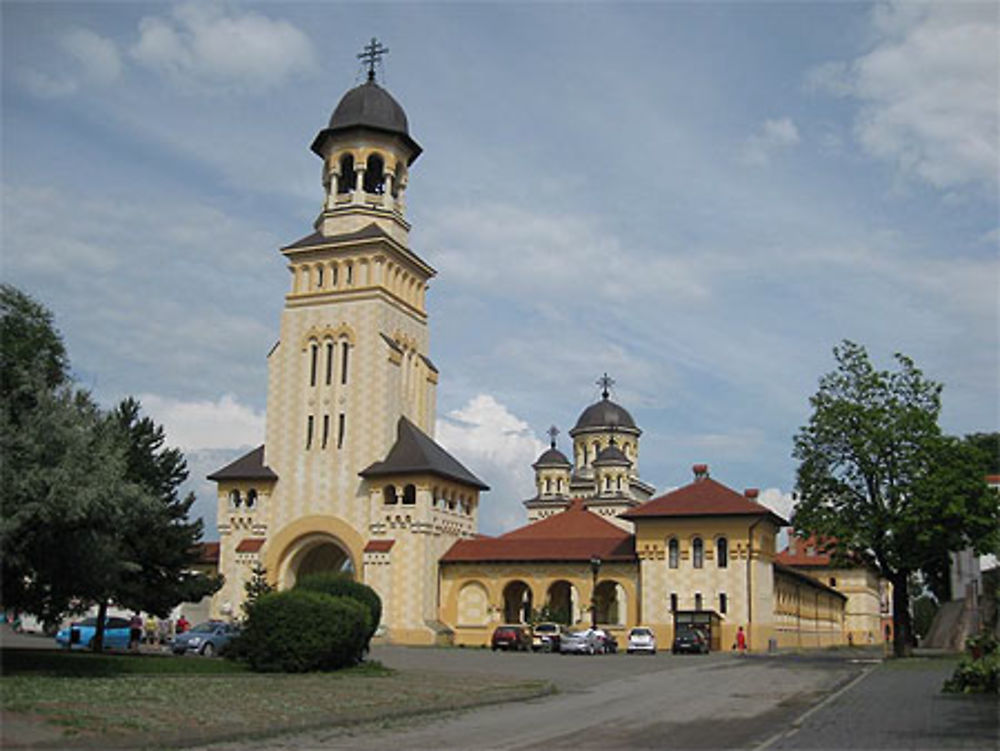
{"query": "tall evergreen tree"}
(877, 476)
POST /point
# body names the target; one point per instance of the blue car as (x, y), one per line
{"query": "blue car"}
(205, 639)
(81, 635)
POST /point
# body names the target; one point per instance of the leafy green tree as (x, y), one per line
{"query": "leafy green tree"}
(876, 474)
(162, 542)
(255, 587)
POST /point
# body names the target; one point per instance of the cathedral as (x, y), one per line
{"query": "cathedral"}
(350, 478)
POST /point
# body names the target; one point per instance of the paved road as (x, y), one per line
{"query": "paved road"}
(608, 702)
(897, 706)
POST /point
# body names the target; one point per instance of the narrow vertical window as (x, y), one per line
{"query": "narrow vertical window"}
(313, 357)
(340, 430)
(697, 600)
(345, 183)
(309, 432)
(723, 603)
(722, 552)
(343, 362)
(329, 363)
(698, 553)
(673, 602)
(319, 276)
(673, 548)
(326, 429)
(350, 274)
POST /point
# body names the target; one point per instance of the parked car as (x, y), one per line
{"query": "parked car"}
(545, 637)
(81, 635)
(691, 640)
(641, 639)
(512, 638)
(607, 642)
(205, 639)
(580, 642)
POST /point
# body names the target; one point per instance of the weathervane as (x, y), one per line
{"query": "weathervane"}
(553, 432)
(371, 55)
(605, 382)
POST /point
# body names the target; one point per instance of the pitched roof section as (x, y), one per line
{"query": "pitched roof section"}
(250, 545)
(571, 535)
(248, 467)
(703, 497)
(805, 552)
(368, 232)
(207, 552)
(414, 452)
(379, 546)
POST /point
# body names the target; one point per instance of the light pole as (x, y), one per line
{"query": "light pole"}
(595, 567)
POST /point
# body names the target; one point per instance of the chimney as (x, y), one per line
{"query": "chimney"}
(751, 493)
(700, 472)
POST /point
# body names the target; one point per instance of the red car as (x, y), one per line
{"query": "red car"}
(515, 638)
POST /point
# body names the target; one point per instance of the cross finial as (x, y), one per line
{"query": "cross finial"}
(553, 432)
(372, 54)
(605, 382)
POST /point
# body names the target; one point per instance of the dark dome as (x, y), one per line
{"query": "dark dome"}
(611, 454)
(604, 414)
(372, 106)
(552, 457)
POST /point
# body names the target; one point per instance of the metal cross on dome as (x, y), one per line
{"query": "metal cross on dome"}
(553, 432)
(605, 382)
(372, 54)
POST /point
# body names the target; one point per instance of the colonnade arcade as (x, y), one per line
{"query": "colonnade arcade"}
(316, 276)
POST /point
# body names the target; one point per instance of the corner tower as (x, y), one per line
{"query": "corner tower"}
(351, 393)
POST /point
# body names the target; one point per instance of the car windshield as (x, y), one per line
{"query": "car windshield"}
(206, 627)
(640, 632)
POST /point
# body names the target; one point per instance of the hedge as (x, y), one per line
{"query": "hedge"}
(339, 585)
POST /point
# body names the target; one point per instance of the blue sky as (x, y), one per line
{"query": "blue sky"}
(700, 199)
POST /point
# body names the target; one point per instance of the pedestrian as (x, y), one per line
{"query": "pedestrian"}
(134, 632)
(741, 640)
(163, 636)
(151, 628)
(182, 624)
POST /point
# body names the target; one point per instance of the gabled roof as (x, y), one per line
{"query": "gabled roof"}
(316, 239)
(806, 552)
(416, 452)
(250, 545)
(703, 497)
(571, 535)
(248, 467)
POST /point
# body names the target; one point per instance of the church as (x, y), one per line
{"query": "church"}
(350, 478)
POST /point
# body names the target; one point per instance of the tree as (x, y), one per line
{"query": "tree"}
(255, 587)
(161, 544)
(877, 476)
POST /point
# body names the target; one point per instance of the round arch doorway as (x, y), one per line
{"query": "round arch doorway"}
(317, 554)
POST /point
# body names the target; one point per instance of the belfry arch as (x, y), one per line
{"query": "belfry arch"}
(311, 545)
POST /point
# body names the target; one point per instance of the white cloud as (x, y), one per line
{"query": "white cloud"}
(196, 425)
(83, 58)
(928, 91)
(499, 448)
(209, 47)
(773, 137)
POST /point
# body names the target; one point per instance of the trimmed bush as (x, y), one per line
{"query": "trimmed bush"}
(339, 585)
(298, 631)
(979, 670)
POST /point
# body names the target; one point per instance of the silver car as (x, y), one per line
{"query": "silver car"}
(641, 639)
(582, 642)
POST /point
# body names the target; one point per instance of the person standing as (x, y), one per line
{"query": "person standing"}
(151, 628)
(182, 624)
(741, 641)
(134, 632)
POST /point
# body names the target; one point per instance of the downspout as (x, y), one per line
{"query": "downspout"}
(750, 582)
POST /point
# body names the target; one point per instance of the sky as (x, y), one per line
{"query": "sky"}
(700, 199)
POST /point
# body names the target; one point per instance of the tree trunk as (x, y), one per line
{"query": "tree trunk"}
(901, 628)
(102, 616)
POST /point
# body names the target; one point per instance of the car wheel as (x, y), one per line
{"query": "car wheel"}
(208, 650)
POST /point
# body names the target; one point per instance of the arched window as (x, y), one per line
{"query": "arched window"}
(548, 485)
(345, 346)
(722, 552)
(313, 357)
(697, 600)
(409, 495)
(345, 183)
(251, 497)
(607, 483)
(329, 363)
(697, 554)
(234, 498)
(673, 552)
(319, 276)
(374, 177)
(389, 494)
(309, 431)
(618, 482)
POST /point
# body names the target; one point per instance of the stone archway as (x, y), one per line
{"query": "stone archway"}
(296, 541)
(323, 557)
(609, 599)
(562, 602)
(517, 602)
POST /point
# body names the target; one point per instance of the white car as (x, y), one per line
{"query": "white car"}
(641, 639)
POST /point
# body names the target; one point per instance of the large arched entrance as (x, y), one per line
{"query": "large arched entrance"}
(609, 599)
(316, 554)
(561, 603)
(517, 602)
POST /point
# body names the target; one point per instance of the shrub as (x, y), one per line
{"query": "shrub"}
(979, 671)
(339, 585)
(299, 631)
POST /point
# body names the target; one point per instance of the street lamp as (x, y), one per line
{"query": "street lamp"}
(595, 567)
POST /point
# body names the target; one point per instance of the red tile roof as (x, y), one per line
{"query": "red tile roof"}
(379, 546)
(572, 535)
(703, 497)
(811, 551)
(250, 545)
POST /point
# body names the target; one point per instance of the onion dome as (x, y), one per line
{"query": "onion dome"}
(611, 456)
(605, 414)
(552, 457)
(372, 107)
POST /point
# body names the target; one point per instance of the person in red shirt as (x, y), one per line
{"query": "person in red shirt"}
(741, 640)
(182, 625)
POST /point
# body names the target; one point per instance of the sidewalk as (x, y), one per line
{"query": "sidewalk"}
(898, 705)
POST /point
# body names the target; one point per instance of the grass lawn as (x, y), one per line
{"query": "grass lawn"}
(128, 700)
